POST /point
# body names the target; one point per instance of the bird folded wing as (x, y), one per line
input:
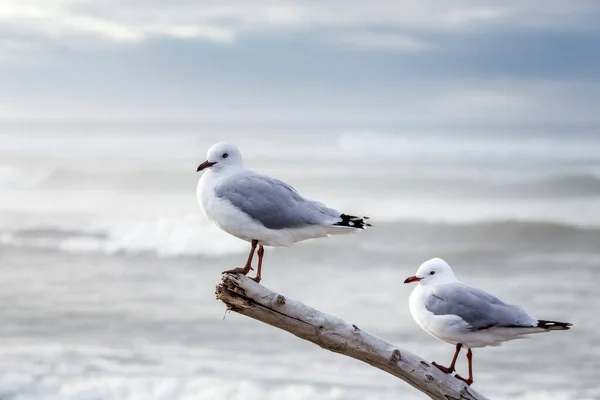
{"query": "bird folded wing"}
(479, 309)
(272, 202)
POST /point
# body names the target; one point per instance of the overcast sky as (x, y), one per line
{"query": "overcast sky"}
(443, 60)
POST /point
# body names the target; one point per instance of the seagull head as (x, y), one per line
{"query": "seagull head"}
(433, 272)
(220, 156)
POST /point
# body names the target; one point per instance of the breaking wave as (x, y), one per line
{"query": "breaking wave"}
(188, 236)
(165, 237)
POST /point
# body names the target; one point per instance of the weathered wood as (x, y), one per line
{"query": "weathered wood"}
(246, 297)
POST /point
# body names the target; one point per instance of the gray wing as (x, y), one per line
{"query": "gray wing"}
(273, 203)
(479, 309)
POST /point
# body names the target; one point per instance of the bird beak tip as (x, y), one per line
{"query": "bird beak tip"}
(204, 165)
(411, 279)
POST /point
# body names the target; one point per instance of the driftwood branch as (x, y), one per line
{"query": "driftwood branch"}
(248, 298)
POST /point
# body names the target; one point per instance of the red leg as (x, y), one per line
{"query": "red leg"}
(450, 369)
(248, 265)
(260, 252)
(470, 380)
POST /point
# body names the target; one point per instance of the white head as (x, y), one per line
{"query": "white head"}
(222, 155)
(433, 272)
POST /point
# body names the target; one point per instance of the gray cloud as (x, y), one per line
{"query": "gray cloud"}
(527, 60)
(224, 22)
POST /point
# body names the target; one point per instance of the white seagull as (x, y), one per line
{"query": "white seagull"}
(462, 315)
(262, 210)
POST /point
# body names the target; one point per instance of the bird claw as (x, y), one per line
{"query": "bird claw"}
(243, 271)
(445, 370)
(256, 279)
(467, 381)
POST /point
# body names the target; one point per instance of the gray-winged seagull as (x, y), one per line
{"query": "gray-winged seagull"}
(462, 315)
(262, 210)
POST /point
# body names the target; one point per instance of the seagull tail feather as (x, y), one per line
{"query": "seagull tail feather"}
(554, 325)
(352, 221)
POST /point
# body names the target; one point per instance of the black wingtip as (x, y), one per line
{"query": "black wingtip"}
(554, 325)
(352, 221)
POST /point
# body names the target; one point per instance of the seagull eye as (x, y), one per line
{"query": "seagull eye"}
(225, 155)
(432, 273)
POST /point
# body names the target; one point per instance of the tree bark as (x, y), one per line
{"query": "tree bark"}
(246, 297)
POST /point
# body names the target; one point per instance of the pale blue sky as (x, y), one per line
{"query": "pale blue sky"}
(436, 61)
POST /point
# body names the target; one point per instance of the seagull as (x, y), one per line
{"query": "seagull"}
(465, 316)
(262, 210)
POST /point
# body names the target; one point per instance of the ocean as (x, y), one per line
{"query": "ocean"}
(108, 267)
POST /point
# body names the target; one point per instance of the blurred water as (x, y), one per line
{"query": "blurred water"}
(108, 268)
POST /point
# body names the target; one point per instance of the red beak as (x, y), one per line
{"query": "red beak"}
(411, 279)
(204, 165)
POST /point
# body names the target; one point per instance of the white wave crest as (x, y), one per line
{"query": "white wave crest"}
(166, 237)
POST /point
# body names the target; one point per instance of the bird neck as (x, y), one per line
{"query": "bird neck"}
(445, 280)
(225, 171)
